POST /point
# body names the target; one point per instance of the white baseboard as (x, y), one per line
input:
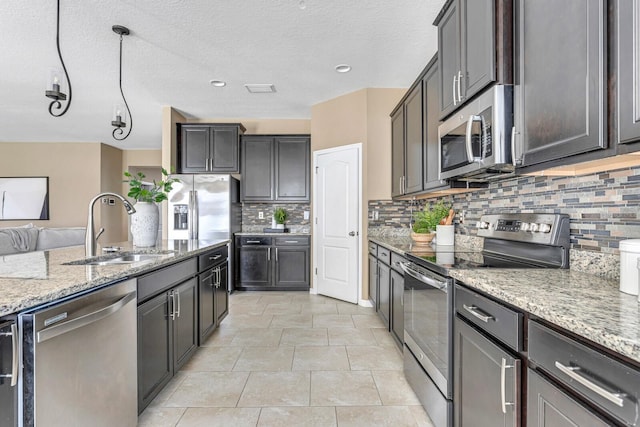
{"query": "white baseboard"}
(313, 291)
(365, 303)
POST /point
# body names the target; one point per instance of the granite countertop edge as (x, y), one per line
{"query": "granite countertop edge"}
(569, 299)
(20, 294)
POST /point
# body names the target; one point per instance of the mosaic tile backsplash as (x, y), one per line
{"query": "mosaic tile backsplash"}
(251, 222)
(604, 209)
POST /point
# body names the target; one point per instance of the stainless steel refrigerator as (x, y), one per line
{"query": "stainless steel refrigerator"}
(205, 207)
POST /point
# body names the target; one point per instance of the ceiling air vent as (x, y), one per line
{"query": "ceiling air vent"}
(260, 88)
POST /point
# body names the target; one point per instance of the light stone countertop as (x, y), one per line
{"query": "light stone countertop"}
(587, 305)
(35, 278)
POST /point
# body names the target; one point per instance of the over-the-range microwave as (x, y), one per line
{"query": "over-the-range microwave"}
(476, 141)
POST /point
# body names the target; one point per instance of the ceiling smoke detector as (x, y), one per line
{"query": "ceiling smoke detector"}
(260, 88)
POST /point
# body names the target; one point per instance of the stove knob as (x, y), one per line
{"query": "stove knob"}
(545, 228)
(534, 227)
(483, 225)
(525, 226)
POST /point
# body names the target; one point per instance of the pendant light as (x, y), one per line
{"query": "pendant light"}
(54, 81)
(120, 111)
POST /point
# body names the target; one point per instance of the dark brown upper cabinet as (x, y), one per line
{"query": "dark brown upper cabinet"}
(469, 40)
(275, 168)
(209, 148)
(560, 101)
(628, 74)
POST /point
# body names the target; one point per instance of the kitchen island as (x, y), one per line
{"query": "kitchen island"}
(35, 278)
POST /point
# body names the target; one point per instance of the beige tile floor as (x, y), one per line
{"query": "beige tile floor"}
(291, 359)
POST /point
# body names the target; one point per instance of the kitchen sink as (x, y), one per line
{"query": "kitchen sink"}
(126, 258)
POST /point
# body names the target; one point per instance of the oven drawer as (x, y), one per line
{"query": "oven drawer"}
(497, 320)
(598, 378)
(396, 259)
(384, 255)
(373, 249)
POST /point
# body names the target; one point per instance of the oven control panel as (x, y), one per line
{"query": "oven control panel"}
(526, 227)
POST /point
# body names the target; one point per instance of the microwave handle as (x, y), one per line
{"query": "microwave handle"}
(470, 156)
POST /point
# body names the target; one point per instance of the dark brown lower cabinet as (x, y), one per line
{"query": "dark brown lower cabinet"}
(167, 337)
(213, 299)
(8, 392)
(384, 293)
(486, 381)
(397, 308)
(266, 263)
(373, 281)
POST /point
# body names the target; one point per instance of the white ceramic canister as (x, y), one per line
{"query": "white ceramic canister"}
(629, 256)
(445, 235)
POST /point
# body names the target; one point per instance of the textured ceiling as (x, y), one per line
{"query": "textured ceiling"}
(177, 46)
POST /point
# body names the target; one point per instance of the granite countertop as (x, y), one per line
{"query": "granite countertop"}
(587, 305)
(34, 278)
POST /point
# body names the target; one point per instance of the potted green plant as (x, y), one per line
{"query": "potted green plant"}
(145, 221)
(425, 221)
(280, 216)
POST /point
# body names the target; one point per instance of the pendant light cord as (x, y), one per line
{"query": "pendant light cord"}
(118, 131)
(56, 104)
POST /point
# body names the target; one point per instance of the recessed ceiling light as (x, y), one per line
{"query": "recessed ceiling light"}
(343, 68)
(260, 88)
(217, 83)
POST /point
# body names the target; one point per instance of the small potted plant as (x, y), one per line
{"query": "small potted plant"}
(145, 221)
(280, 216)
(423, 229)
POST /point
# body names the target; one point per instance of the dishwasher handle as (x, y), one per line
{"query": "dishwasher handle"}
(101, 313)
(422, 278)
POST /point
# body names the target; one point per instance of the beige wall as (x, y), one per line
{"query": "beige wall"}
(361, 116)
(74, 177)
(111, 216)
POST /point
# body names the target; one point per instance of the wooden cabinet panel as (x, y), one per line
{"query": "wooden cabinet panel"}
(397, 309)
(291, 266)
(155, 341)
(449, 58)
(258, 178)
(185, 324)
(397, 152)
(254, 266)
(225, 149)
(373, 281)
(194, 149)
(628, 55)
(221, 294)
(384, 293)
(560, 101)
(292, 169)
(431, 95)
(209, 148)
(413, 141)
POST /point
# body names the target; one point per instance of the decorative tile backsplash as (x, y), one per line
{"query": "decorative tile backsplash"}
(251, 222)
(604, 207)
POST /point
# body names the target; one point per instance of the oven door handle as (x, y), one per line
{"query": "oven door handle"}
(421, 277)
(469, 144)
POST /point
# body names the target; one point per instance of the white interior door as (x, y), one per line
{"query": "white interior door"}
(337, 231)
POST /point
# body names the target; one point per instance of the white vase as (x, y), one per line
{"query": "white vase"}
(279, 226)
(144, 224)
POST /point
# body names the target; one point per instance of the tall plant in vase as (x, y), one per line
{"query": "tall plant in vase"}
(146, 219)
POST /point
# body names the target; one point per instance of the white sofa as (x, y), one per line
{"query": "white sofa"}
(14, 240)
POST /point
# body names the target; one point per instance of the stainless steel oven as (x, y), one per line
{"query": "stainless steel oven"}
(511, 240)
(476, 142)
(428, 335)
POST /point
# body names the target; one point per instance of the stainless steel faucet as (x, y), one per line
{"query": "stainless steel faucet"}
(91, 238)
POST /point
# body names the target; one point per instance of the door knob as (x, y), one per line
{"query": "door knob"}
(352, 233)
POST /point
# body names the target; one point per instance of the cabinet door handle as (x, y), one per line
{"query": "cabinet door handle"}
(453, 86)
(503, 386)
(14, 350)
(268, 254)
(276, 254)
(177, 293)
(478, 313)
(218, 277)
(215, 257)
(617, 398)
(172, 305)
(459, 91)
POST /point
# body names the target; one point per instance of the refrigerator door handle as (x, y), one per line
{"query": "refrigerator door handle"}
(193, 209)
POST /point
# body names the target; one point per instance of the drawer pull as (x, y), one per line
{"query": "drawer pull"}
(573, 373)
(291, 241)
(215, 257)
(478, 313)
(254, 241)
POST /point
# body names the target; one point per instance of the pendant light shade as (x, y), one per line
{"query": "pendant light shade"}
(121, 110)
(57, 77)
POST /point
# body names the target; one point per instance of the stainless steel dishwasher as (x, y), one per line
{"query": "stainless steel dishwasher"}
(79, 360)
